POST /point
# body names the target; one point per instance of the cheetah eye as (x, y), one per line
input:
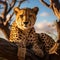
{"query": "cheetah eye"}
(21, 16)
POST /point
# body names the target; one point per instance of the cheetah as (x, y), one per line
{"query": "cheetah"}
(24, 35)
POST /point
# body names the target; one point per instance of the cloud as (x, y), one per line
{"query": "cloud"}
(46, 27)
(44, 14)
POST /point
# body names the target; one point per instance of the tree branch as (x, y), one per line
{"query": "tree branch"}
(44, 3)
(12, 5)
(21, 2)
(5, 9)
(5, 30)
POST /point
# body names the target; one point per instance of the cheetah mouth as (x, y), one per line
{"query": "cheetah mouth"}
(25, 26)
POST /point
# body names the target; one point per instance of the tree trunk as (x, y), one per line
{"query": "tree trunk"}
(58, 29)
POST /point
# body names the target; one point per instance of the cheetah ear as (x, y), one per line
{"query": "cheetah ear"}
(36, 9)
(16, 10)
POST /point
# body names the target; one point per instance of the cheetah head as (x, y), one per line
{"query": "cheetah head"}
(25, 17)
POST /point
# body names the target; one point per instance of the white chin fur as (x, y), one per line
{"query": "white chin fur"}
(25, 27)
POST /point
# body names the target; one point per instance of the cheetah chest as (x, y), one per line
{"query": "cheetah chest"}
(29, 39)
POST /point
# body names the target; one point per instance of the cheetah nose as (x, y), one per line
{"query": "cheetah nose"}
(25, 23)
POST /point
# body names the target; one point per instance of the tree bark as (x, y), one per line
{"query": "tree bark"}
(8, 50)
(58, 29)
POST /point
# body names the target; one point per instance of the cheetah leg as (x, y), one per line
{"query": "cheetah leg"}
(21, 53)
